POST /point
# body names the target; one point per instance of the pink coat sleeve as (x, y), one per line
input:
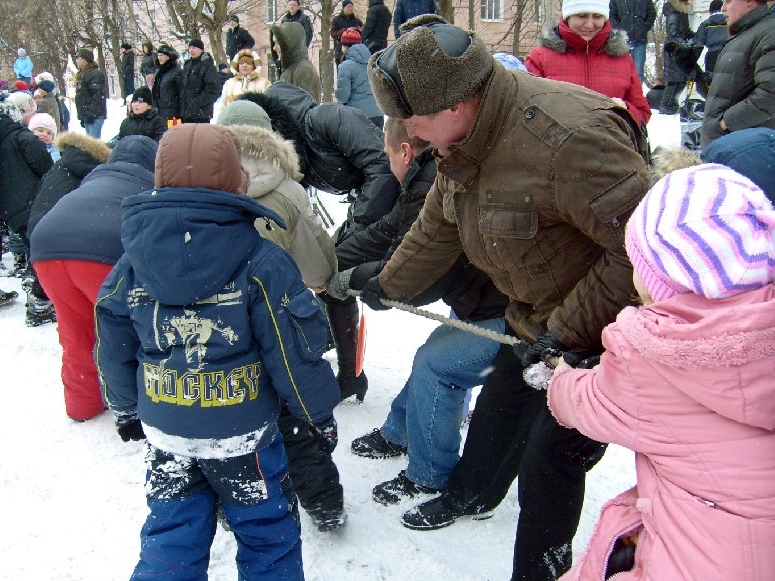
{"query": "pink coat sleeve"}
(600, 403)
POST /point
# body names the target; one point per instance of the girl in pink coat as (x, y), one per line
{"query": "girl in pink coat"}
(686, 381)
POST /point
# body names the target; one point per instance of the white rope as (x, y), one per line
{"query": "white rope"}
(457, 323)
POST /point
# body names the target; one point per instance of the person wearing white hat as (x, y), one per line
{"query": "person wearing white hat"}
(22, 66)
(584, 49)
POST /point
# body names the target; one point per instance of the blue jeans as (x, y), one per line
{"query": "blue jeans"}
(94, 129)
(258, 504)
(425, 415)
(638, 53)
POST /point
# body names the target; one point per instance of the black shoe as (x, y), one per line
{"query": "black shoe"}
(436, 514)
(394, 491)
(374, 445)
(35, 318)
(7, 297)
(329, 520)
(353, 386)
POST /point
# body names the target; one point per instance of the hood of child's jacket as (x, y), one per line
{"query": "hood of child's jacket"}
(186, 244)
(358, 53)
(719, 352)
(81, 153)
(137, 149)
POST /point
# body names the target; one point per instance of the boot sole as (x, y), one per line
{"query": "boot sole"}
(431, 527)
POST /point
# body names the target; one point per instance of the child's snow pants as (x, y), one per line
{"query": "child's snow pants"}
(258, 504)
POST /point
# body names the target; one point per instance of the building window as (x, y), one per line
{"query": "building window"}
(492, 10)
(271, 10)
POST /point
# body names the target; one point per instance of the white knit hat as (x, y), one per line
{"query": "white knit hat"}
(571, 7)
(42, 120)
(24, 102)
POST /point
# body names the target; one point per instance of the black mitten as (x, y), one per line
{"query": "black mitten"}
(372, 293)
(547, 345)
(130, 428)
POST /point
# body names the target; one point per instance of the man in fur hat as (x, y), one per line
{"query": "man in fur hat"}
(536, 180)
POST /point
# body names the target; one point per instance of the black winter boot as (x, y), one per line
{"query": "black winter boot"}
(343, 316)
(669, 104)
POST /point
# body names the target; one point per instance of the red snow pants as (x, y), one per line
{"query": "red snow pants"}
(72, 285)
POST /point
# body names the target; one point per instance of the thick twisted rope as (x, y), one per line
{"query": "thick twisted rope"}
(457, 323)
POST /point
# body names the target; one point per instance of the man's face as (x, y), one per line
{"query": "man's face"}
(348, 9)
(396, 158)
(293, 7)
(163, 58)
(735, 9)
(195, 52)
(438, 128)
(79, 62)
(233, 24)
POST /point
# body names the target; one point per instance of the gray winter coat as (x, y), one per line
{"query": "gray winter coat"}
(743, 89)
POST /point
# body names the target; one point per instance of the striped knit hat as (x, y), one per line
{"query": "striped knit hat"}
(704, 229)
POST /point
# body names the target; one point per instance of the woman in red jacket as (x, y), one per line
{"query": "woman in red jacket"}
(585, 50)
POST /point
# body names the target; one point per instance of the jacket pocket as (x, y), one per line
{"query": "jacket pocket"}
(310, 327)
(614, 205)
(508, 222)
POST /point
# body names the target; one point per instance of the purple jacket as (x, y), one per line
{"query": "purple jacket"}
(687, 384)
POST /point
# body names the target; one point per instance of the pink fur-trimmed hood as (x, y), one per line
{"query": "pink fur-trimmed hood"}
(718, 351)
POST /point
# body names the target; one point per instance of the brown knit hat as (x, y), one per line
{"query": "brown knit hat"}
(431, 67)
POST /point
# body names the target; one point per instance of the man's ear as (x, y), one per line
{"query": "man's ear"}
(407, 155)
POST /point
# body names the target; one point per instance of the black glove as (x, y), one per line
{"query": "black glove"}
(372, 293)
(329, 433)
(547, 345)
(582, 359)
(132, 430)
(684, 54)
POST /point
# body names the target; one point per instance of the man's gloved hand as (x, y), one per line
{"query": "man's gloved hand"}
(129, 427)
(339, 284)
(547, 345)
(372, 293)
(329, 433)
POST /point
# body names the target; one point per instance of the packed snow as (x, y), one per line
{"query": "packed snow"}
(73, 498)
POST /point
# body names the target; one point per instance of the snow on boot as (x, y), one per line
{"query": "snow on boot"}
(374, 445)
(344, 318)
(39, 312)
(20, 265)
(436, 514)
(329, 520)
(7, 297)
(399, 488)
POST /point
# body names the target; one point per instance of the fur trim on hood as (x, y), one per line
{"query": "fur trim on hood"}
(680, 6)
(267, 145)
(664, 161)
(617, 43)
(91, 146)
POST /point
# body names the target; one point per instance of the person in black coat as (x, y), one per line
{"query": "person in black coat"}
(342, 152)
(296, 14)
(80, 155)
(200, 87)
(676, 14)
(148, 65)
(127, 69)
(375, 30)
(91, 93)
(167, 83)
(344, 20)
(237, 38)
(144, 118)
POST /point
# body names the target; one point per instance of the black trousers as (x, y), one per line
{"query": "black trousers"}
(512, 433)
(313, 473)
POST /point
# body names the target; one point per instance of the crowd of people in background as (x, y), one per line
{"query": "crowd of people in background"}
(196, 291)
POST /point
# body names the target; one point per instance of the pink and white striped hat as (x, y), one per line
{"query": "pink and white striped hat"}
(704, 229)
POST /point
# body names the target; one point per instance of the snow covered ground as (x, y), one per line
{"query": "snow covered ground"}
(72, 493)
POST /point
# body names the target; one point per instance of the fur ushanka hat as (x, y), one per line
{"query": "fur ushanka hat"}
(431, 67)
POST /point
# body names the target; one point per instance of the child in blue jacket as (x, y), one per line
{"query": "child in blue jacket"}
(202, 328)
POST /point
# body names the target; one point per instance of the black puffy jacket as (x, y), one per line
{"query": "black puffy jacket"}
(150, 124)
(377, 25)
(166, 89)
(200, 89)
(635, 17)
(339, 149)
(23, 161)
(91, 94)
(465, 288)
